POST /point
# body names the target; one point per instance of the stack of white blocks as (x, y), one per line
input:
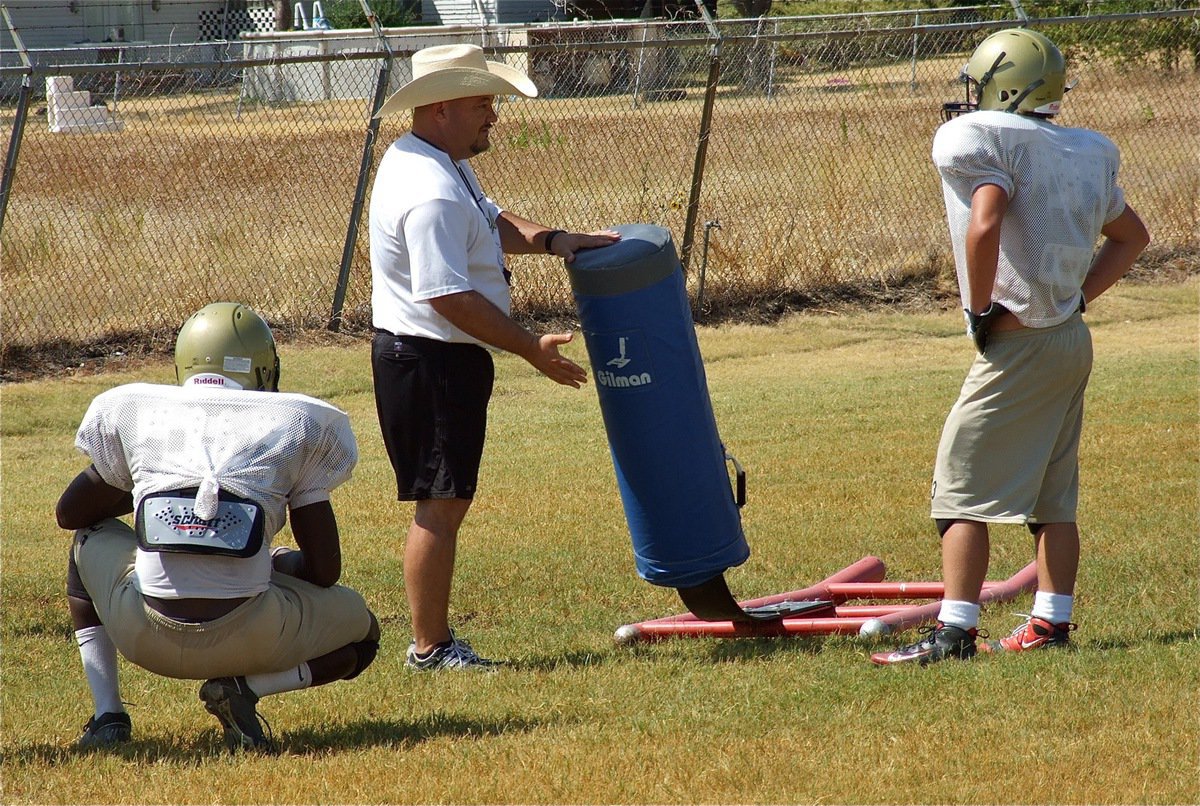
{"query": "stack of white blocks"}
(72, 111)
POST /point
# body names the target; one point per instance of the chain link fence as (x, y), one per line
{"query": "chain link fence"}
(788, 156)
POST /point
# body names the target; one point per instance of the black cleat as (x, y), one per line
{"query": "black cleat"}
(941, 641)
(105, 730)
(232, 702)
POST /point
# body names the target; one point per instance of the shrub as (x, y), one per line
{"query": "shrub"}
(390, 13)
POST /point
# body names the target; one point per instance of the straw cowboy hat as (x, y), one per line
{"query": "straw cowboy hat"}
(446, 72)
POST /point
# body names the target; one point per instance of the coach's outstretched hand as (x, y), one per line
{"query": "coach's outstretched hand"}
(555, 366)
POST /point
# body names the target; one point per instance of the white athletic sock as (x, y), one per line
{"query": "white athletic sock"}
(959, 614)
(99, 656)
(1053, 607)
(278, 682)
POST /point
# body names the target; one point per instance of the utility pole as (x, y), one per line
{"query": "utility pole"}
(283, 15)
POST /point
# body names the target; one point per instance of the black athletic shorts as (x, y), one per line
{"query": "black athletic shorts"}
(432, 398)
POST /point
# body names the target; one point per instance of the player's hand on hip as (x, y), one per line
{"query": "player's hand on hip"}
(979, 325)
(556, 366)
(287, 561)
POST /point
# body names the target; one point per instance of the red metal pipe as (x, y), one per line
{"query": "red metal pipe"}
(1020, 582)
(868, 611)
(871, 620)
(844, 591)
(867, 570)
(728, 629)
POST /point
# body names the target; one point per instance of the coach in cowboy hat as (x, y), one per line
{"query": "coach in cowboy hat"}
(440, 299)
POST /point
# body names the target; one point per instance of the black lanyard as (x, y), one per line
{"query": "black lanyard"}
(478, 199)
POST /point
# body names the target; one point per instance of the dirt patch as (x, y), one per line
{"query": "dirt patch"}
(125, 351)
(917, 294)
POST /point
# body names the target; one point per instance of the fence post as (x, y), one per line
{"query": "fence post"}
(637, 76)
(771, 64)
(912, 75)
(14, 140)
(714, 73)
(364, 170)
(326, 79)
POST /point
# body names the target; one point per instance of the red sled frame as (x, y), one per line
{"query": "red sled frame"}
(830, 615)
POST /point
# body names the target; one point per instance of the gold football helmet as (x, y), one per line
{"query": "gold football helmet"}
(231, 340)
(1014, 70)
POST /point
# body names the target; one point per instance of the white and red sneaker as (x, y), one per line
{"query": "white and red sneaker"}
(1035, 633)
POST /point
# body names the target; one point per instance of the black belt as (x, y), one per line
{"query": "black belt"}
(381, 332)
(425, 341)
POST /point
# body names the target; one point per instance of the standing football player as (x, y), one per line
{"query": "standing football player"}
(1027, 200)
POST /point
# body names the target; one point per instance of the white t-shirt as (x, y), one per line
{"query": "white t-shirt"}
(432, 232)
(1062, 189)
(274, 448)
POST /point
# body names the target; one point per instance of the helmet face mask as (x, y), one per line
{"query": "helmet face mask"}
(1015, 70)
(952, 109)
(229, 340)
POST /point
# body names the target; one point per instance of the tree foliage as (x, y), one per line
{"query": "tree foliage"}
(390, 13)
(1167, 45)
(749, 9)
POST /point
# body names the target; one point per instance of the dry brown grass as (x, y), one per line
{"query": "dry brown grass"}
(815, 189)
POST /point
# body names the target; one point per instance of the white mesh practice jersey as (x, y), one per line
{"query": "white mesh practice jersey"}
(1062, 189)
(276, 449)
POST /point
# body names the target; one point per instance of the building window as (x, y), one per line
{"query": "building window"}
(112, 20)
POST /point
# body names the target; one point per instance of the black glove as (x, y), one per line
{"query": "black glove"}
(979, 325)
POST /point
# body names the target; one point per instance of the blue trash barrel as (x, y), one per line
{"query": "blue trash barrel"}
(646, 366)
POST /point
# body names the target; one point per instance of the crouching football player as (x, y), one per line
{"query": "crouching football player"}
(211, 469)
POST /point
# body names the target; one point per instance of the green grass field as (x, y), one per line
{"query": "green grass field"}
(836, 419)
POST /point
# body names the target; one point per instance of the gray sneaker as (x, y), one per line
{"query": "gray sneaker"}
(232, 702)
(105, 730)
(454, 654)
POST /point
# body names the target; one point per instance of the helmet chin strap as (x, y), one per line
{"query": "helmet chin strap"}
(1024, 94)
(262, 385)
(987, 76)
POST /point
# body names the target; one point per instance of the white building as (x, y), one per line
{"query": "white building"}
(133, 31)
(66, 24)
